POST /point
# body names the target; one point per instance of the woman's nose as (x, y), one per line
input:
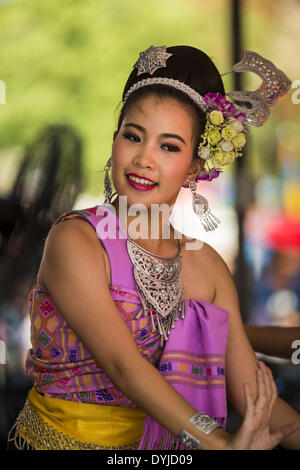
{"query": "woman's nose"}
(144, 158)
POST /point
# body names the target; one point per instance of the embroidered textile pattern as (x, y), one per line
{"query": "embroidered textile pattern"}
(204, 371)
(59, 363)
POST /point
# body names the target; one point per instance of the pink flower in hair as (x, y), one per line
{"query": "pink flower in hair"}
(208, 175)
(218, 101)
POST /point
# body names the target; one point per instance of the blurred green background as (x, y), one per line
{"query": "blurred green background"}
(67, 62)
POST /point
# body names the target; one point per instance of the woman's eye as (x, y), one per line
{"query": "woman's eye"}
(171, 148)
(131, 137)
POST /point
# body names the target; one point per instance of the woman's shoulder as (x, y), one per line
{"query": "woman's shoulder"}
(215, 263)
(74, 231)
(204, 272)
(225, 289)
(203, 253)
(68, 242)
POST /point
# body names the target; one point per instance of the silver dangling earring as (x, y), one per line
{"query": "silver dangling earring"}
(200, 207)
(107, 184)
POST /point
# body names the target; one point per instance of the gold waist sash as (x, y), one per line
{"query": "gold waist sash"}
(55, 424)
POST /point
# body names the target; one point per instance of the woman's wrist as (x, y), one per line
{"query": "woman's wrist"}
(217, 440)
(203, 432)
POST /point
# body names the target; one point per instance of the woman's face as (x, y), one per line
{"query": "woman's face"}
(155, 142)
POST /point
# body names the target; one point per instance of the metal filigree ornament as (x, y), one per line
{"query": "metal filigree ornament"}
(274, 85)
(159, 285)
(107, 184)
(152, 59)
(204, 423)
(201, 208)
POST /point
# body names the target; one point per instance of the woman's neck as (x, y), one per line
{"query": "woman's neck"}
(149, 228)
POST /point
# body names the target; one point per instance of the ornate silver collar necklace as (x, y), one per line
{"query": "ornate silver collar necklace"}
(159, 286)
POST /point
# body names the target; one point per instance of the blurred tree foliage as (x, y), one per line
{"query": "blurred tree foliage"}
(272, 29)
(67, 62)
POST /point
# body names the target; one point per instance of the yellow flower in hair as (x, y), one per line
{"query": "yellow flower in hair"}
(219, 159)
(214, 136)
(228, 133)
(239, 140)
(216, 117)
(230, 157)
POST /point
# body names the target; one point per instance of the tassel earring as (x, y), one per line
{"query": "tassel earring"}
(200, 207)
(107, 184)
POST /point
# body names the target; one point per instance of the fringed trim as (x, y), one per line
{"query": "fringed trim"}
(19, 442)
(155, 437)
(31, 431)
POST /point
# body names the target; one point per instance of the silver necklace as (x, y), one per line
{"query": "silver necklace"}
(159, 286)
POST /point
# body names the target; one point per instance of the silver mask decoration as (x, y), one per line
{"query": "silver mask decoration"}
(274, 85)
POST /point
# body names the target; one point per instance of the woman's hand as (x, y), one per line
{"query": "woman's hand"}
(254, 433)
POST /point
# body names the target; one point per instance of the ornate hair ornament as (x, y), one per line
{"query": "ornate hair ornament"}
(274, 85)
(224, 134)
(151, 60)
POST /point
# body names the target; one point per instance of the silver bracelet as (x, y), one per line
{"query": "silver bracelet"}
(202, 422)
(188, 440)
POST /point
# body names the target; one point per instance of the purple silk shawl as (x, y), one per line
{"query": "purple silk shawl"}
(193, 362)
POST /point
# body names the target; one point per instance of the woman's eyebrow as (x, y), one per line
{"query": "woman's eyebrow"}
(137, 126)
(174, 136)
(165, 135)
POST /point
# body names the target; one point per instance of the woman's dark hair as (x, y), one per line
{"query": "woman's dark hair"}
(188, 65)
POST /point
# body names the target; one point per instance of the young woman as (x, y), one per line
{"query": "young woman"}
(136, 339)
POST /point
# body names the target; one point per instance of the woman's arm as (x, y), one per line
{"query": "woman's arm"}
(273, 340)
(240, 357)
(74, 272)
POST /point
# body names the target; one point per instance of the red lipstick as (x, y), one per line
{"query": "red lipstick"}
(138, 186)
(138, 176)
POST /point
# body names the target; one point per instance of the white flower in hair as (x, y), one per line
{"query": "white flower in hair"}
(226, 146)
(236, 125)
(204, 153)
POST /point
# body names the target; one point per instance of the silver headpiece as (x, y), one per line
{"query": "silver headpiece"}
(196, 97)
(274, 83)
(152, 59)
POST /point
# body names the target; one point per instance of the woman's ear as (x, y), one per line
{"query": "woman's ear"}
(196, 167)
